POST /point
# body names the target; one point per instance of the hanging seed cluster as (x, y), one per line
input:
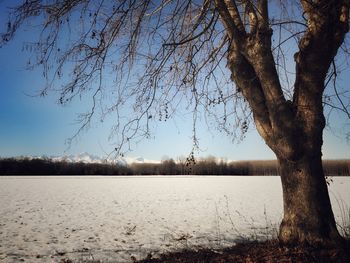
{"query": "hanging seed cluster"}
(164, 113)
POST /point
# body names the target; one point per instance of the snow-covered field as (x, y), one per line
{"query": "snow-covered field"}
(117, 219)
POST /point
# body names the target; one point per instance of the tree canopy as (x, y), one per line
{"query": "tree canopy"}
(145, 61)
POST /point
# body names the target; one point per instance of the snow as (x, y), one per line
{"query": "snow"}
(47, 219)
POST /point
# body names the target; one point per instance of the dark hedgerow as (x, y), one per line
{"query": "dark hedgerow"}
(207, 166)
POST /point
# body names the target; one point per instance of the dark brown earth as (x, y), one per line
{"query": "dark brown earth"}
(259, 252)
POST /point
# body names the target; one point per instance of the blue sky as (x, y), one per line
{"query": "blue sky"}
(39, 126)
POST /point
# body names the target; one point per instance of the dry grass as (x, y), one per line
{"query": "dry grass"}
(269, 251)
(258, 252)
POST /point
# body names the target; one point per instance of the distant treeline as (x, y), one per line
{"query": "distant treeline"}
(207, 166)
(26, 166)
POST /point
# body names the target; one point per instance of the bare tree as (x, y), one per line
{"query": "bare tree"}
(213, 56)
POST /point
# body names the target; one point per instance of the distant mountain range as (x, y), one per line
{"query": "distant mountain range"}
(90, 158)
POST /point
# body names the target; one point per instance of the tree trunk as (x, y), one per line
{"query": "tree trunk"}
(308, 216)
(292, 129)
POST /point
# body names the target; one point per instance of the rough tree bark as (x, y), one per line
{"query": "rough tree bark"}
(292, 129)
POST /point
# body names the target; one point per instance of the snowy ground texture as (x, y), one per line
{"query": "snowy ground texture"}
(118, 219)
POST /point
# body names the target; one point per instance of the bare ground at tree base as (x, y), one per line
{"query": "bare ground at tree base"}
(259, 252)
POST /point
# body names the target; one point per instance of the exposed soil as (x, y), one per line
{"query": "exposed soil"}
(259, 252)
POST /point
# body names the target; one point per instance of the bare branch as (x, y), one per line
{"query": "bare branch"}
(263, 15)
(234, 13)
(232, 21)
(249, 11)
(343, 107)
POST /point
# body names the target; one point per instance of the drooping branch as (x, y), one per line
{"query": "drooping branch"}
(189, 37)
(176, 65)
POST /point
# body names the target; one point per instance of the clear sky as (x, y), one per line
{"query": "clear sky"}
(39, 126)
